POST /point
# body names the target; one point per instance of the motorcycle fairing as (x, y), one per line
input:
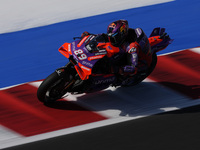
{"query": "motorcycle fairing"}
(84, 59)
(101, 82)
(65, 49)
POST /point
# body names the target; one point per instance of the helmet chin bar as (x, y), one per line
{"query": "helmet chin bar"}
(114, 41)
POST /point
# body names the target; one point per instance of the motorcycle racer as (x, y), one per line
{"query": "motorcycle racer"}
(133, 41)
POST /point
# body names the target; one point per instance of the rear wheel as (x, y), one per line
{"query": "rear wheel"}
(140, 77)
(153, 64)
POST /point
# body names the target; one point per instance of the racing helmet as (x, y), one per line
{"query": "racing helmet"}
(117, 32)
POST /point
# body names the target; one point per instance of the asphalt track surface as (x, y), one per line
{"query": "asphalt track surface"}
(176, 130)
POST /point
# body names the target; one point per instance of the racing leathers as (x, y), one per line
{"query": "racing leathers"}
(138, 53)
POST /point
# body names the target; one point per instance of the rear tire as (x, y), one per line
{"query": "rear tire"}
(138, 79)
(153, 64)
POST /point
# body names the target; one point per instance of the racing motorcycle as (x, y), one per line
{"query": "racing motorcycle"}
(89, 71)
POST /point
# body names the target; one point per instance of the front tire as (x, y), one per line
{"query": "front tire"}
(57, 84)
(48, 91)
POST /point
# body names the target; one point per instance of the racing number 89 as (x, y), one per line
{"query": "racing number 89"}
(79, 53)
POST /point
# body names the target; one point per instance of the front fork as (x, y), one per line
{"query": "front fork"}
(68, 74)
(63, 70)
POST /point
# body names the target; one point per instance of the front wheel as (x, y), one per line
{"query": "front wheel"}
(48, 91)
(54, 86)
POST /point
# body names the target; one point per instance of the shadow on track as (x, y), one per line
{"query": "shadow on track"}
(141, 99)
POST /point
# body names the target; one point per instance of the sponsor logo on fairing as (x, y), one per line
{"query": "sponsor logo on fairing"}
(87, 63)
(102, 53)
(103, 81)
(83, 67)
(73, 46)
(95, 57)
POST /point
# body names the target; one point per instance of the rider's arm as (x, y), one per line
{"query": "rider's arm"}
(102, 38)
(132, 59)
